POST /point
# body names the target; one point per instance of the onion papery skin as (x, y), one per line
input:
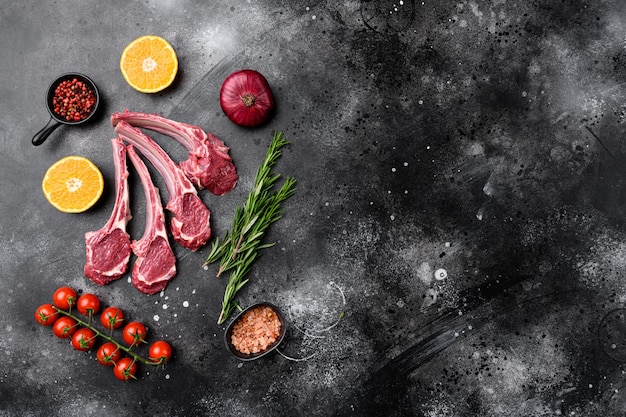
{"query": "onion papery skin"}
(243, 85)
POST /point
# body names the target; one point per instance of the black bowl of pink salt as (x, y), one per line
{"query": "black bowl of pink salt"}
(72, 99)
(255, 332)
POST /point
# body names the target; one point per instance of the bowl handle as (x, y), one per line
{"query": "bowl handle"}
(43, 134)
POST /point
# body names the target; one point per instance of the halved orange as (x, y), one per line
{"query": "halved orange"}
(73, 184)
(149, 64)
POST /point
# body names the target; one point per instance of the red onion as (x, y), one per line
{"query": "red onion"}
(246, 98)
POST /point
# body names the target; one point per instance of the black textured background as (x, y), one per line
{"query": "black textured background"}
(481, 138)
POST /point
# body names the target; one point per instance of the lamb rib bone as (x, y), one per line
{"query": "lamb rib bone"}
(190, 224)
(108, 249)
(209, 165)
(155, 265)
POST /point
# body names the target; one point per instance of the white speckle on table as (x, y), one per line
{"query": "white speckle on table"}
(185, 303)
(155, 317)
(441, 274)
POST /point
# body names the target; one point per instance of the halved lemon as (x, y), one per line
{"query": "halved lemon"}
(73, 184)
(149, 64)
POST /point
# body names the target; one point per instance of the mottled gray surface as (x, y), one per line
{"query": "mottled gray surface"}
(456, 245)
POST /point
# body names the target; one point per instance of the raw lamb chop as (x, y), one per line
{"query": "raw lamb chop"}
(108, 249)
(156, 263)
(209, 165)
(190, 224)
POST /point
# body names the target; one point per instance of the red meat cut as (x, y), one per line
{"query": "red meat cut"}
(190, 224)
(209, 165)
(155, 265)
(108, 249)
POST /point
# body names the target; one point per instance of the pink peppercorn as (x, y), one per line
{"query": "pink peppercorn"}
(73, 100)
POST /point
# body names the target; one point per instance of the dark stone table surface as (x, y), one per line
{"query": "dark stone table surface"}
(456, 245)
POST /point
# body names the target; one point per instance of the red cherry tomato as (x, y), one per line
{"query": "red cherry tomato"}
(83, 339)
(134, 333)
(160, 352)
(112, 318)
(64, 327)
(46, 315)
(88, 304)
(64, 298)
(108, 354)
(125, 369)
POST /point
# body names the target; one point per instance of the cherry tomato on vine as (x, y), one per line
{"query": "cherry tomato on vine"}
(134, 333)
(125, 369)
(46, 315)
(64, 298)
(112, 318)
(88, 304)
(84, 339)
(64, 327)
(108, 354)
(160, 352)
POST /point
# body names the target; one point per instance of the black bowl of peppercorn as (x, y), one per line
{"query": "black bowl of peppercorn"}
(72, 99)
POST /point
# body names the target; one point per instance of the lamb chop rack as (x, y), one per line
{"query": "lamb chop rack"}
(108, 249)
(209, 164)
(190, 224)
(155, 265)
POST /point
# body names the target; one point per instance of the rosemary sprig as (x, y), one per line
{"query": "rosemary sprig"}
(240, 247)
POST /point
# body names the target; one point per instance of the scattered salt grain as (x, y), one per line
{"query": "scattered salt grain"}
(164, 306)
(156, 317)
(185, 303)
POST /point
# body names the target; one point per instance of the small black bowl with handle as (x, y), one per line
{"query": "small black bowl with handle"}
(57, 120)
(270, 348)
